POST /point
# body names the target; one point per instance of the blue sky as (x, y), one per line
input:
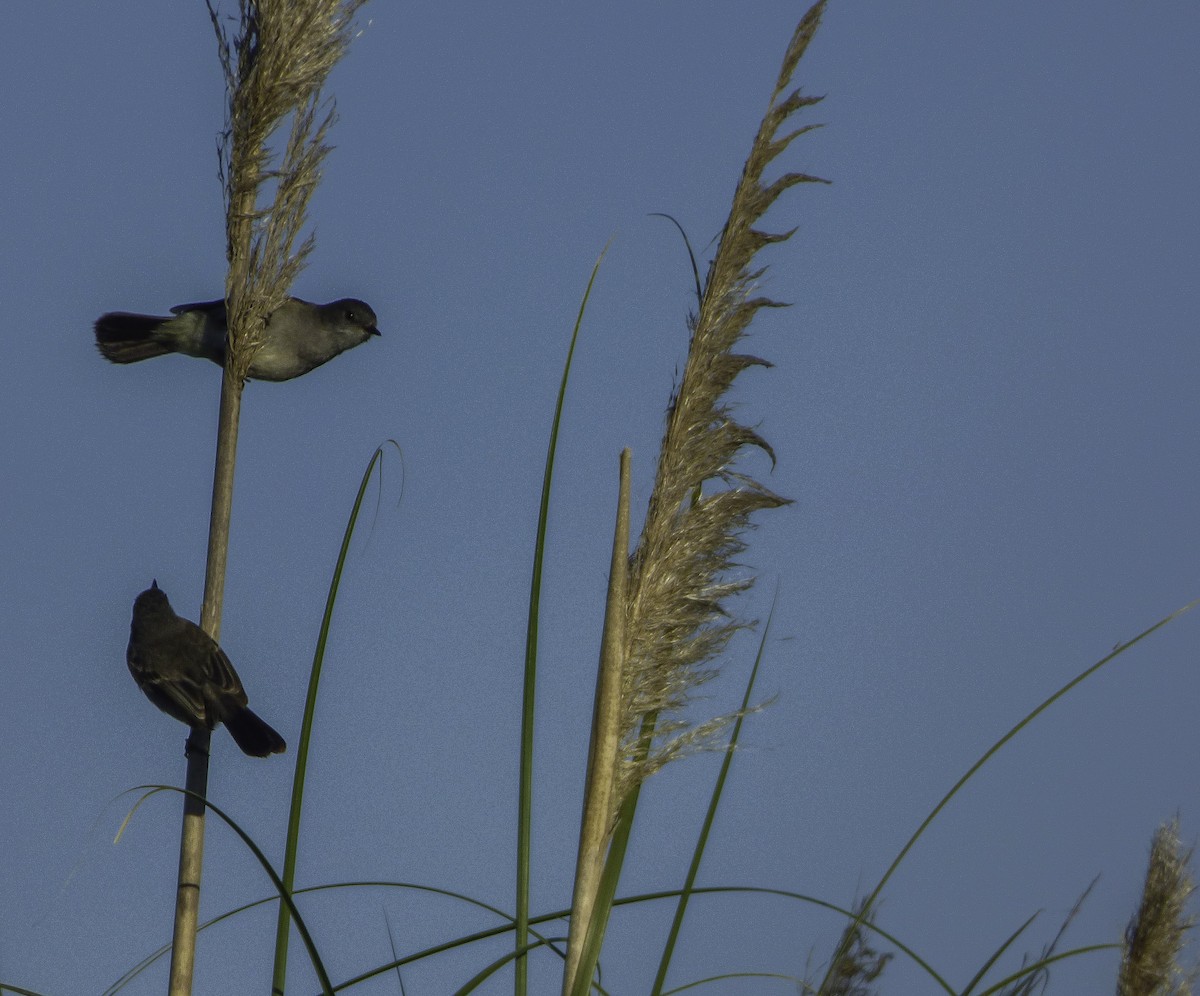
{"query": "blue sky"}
(983, 403)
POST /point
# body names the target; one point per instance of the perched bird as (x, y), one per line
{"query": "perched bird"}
(299, 336)
(183, 672)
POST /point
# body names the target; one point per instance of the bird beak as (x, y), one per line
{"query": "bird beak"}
(373, 330)
(154, 584)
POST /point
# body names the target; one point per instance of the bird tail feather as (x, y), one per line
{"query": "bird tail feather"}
(253, 735)
(127, 338)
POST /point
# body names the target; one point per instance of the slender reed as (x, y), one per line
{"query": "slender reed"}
(675, 615)
(600, 782)
(677, 621)
(275, 64)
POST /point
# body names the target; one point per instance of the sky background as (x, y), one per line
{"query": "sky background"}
(984, 403)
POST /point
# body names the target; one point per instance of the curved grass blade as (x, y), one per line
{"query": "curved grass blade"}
(489, 970)
(314, 957)
(490, 933)
(691, 255)
(713, 890)
(542, 918)
(792, 979)
(154, 956)
(292, 845)
(1044, 963)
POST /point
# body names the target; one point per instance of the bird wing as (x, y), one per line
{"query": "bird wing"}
(179, 309)
(223, 681)
(188, 676)
(173, 690)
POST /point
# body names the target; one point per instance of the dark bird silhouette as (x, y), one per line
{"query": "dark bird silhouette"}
(298, 337)
(183, 672)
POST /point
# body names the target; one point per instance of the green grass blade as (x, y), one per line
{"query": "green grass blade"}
(996, 955)
(489, 970)
(794, 981)
(1039, 965)
(552, 944)
(282, 931)
(529, 685)
(395, 954)
(715, 890)
(691, 255)
(164, 949)
(491, 933)
(660, 979)
(284, 894)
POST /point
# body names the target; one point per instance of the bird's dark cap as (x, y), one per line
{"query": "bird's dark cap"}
(153, 596)
(357, 313)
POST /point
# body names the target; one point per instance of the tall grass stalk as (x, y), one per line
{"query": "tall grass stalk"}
(275, 63)
(600, 782)
(675, 615)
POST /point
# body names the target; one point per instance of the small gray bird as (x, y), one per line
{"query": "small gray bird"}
(298, 337)
(183, 672)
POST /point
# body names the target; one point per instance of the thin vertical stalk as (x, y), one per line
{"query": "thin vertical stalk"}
(222, 505)
(275, 65)
(191, 839)
(596, 823)
(614, 861)
(191, 860)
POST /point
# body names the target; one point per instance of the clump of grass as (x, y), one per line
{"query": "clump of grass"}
(857, 964)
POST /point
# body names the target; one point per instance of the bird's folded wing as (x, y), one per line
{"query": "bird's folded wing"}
(179, 309)
(222, 678)
(178, 694)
